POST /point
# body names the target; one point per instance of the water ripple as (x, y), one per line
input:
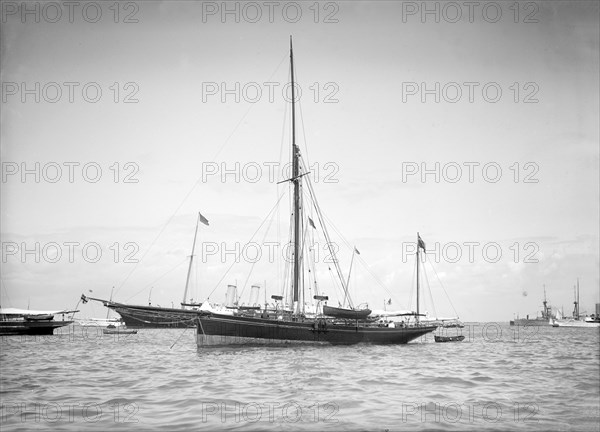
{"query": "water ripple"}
(506, 379)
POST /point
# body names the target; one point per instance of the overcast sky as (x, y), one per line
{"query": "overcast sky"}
(507, 95)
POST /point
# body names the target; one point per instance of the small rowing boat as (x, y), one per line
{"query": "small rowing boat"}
(458, 338)
(111, 329)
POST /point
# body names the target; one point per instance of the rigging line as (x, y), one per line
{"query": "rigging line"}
(154, 241)
(315, 233)
(287, 264)
(196, 274)
(412, 284)
(281, 147)
(302, 124)
(328, 240)
(338, 289)
(157, 279)
(361, 260)
(442, 285)
(193, 187)
(377, 279)
(365, 265)
(255, 232)
(182, 333)
(5, 291)
(312, 262)
(247, 112)
(430, 296)
(254, 263)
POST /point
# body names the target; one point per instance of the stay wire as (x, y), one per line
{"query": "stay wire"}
(198, 181)
(255, 232)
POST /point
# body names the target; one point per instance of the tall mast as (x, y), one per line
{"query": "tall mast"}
(577, 317)
(418, 247)
(544, 314)
(187, 281)
(296, 180)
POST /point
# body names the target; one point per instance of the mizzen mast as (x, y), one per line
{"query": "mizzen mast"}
(418, 259)
(187, 281)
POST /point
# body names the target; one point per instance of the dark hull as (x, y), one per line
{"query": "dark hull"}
(154, 317)
(449, 338)
(346, 313)
(216, 329)
(37, 328)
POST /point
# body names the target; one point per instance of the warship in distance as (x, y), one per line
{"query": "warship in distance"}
(296, 326)
(544, 320)
(578, 319)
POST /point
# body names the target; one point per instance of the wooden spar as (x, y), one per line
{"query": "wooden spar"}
(187, 281)
(418, 247)
(296, 180)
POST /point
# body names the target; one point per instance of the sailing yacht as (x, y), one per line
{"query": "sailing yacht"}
(142, 316)
(343, 326)
(15, 321)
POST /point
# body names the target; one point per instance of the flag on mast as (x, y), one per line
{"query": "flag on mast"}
(203, 219)
(356, 250)
(421, 243)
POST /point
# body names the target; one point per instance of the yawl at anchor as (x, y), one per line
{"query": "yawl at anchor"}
(296, 326)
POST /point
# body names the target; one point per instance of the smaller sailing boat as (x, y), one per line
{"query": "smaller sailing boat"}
(138, 316)
(31, 322)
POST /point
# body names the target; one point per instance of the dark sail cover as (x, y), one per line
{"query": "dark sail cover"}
(346, 313)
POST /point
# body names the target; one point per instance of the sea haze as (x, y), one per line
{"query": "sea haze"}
(498, 378)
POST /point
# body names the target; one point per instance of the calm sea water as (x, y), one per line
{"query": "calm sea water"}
(498, 378)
